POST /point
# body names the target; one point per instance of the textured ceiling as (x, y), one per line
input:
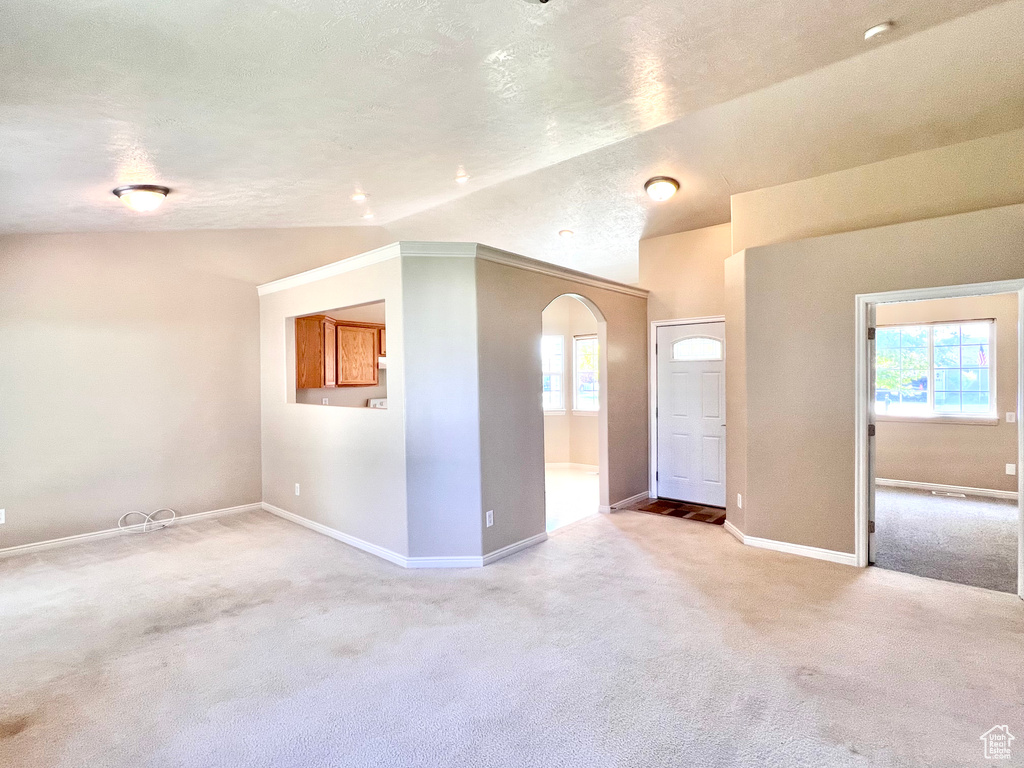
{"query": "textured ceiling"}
(271, 113)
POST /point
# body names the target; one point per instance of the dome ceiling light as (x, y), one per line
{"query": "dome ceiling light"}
(142, 197)
(661, 188)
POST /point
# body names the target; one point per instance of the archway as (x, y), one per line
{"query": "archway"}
(574, 403)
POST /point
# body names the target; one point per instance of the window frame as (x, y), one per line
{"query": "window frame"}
(933, 416)
(576, 373)
(560, 410)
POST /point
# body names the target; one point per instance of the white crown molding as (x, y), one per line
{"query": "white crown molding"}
(417, 248)
(107, 533)
(350, 264)
(966, 490)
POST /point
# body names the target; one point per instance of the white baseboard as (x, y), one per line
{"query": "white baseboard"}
(455, 561)
(631, 500)
(107, 533)
(736, 532)
(843, 558)
(352, 541)
(511, 549)
(966, 490)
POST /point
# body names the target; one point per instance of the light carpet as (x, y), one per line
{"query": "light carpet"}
(626, 640)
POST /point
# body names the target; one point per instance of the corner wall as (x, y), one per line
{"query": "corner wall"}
(800, 334)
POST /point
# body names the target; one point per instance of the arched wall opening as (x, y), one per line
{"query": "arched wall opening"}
(573, 396)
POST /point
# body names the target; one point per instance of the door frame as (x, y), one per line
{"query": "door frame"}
(864, 471)
(652, 405)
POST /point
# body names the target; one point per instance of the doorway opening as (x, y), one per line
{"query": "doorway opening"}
(939, 441)
(573, 402)
(688, 414)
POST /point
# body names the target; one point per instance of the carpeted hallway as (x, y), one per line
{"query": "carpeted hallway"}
(971, 540)
(624, 640)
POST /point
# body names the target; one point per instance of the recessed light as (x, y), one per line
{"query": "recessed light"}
(360, 197)
(661, 188)
(566, 233)
(367, 215)
(878, 29)
(142, 197)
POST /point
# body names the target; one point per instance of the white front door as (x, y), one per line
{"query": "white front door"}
(691, 413)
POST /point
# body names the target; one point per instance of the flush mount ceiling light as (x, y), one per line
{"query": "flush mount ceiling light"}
(461, 178)
(142, 197)
(360, 197)
(661, 188)
(879, 29)
(368, 215)
(566, 233)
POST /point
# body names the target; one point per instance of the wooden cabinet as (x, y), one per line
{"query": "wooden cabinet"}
(357, 355)
(383, 345)
(316, 364)
(332, 353)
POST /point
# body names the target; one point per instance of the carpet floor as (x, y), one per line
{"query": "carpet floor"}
(970, 540)
(624, 640)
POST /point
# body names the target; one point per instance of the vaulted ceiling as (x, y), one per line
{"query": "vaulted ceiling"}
(272, 113)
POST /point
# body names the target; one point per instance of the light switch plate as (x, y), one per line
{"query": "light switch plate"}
(739, 500)
(1011, 469)
(1011, 417)
(296, 489)
(3, 516)
(490, 517)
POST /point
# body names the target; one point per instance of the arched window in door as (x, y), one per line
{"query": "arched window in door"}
(697, 348)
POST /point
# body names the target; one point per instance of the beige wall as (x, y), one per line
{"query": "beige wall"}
(799, 319)
(129, 370)
(685, 273)
(347, 461)
(572, 436)
(965, 454)
(970, 176)
(511, 302)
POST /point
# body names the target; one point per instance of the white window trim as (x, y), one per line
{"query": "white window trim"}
(937, 417)
(561, 410)
(575, 377)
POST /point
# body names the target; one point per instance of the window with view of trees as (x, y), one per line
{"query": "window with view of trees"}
(934, 370)
(585, 366)
(552, 355)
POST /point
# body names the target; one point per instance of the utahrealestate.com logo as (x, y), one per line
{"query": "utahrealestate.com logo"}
(997, 742)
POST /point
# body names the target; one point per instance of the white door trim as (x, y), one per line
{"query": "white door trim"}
(863, 479)
(652, 359)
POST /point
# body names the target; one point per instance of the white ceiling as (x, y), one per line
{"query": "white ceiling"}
(271, 113)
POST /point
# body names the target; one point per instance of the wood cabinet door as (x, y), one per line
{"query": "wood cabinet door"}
(309, 351)
(383, 342)
(357, 356)
(330, 343)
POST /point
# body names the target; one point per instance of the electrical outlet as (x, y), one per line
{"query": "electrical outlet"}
(325, 401)
(490, 517)
(1011, 469)
(3, 516)
(296, 489)
(739, 500)
(1011, 417)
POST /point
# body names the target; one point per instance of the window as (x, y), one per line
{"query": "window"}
(585, 367)
(934, 370)
(697, 348)
(552, 356)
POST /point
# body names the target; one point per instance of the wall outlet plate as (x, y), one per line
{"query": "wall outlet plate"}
(1011, 417)
(3, 516)
(739, 500)
(490, 517)
(325, 401)
(1011, 469)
